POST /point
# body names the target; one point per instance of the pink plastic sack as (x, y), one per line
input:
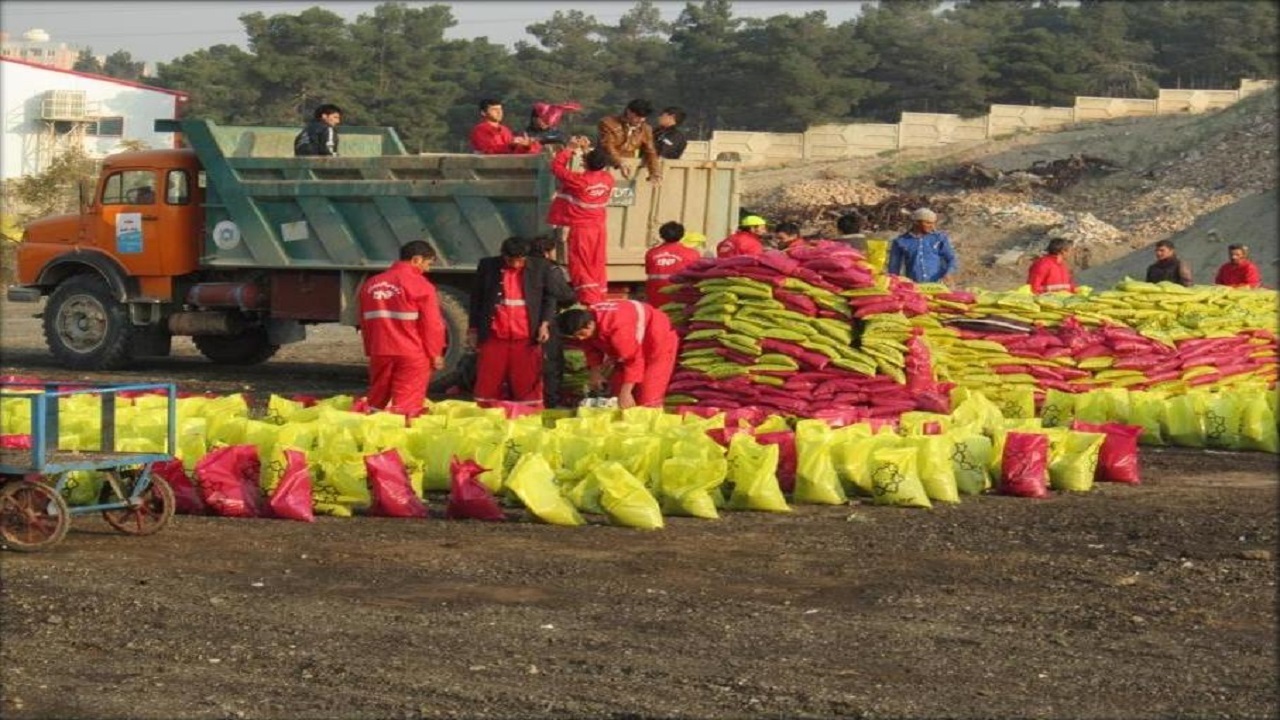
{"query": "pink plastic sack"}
(228, 482)
(1024, 466)
(1118, 457)
(186, 497)
(786, 442)
(15, 442)
(292, 497)
(469, 499)
(389, 487)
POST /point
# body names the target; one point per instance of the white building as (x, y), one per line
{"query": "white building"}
(44, 109)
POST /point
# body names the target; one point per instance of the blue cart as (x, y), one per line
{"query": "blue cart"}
(33, 512)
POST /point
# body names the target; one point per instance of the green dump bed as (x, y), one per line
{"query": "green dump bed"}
(265, 208)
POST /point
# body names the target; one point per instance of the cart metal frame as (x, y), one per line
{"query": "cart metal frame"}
(33, 513)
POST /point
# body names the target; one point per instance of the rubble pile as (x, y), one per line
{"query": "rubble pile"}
(809, 200)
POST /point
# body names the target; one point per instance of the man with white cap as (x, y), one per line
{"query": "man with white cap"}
(922, 254)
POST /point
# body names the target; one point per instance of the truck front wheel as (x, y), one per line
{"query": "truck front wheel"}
(85, 327)
(250, 347)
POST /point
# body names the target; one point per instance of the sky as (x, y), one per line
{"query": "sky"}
(162, 31)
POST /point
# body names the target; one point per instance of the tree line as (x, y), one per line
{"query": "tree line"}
(395, 67)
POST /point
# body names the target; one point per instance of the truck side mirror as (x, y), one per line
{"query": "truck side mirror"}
(86, 194)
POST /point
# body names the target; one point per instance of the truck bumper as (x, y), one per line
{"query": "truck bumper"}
(18, 293)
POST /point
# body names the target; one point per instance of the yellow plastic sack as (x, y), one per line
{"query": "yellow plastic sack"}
(753, 471)
(532, 481)
(816, 479)
(433, 450)
(1222, 416)
(689, 486)
(877, 254)
(1258, 424)
(82, 487)
(1058, 409)
(933, 465)
(191, 441)
(894, 479)
(971, 406)
(1016, 401)
(914, 422)
(1073, 459)
(851, 456)
(1148, 409)
(1185, 421)
(970, 458)
(340, 478)
(641, 456)
(625, 498)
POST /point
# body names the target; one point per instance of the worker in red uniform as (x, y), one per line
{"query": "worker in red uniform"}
(491, 137)
(636, 338)
(580, 206)
(663, 261)
(1049, 272)
(1239, 271)
(746, 240)
(402, 330)
(512, 307)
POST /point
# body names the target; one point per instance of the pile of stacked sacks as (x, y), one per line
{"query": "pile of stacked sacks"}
(633, 467)
(816, 333)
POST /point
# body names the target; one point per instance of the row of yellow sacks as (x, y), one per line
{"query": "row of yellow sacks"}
(632, 465)
(1238, 418)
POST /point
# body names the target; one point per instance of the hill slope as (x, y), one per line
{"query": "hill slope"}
(1172, 170)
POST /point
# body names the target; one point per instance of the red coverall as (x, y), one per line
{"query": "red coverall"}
(1243, 275)
(403, 333)
(580, 205)
(639, 339)
(660, 263)
(490, 138)
(1050, 274)
(509, 352)
(742, 242)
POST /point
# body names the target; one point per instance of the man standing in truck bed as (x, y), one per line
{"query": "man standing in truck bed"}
(403, 331)
(623, 136)
(580, 205)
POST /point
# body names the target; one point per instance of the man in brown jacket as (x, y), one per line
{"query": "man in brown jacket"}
(622, 135)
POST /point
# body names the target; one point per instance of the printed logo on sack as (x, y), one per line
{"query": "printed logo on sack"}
(384, 290)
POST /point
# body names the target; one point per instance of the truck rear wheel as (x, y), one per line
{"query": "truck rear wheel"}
(250, 347)
(85, 327)
(453, 306)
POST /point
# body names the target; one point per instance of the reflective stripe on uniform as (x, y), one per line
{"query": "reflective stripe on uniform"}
(640, 324)
(1056, 288)
(514, 303)
(390, 314)
(575, 201)
(661, 277)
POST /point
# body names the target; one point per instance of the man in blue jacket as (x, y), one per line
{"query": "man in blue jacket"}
(922, 254)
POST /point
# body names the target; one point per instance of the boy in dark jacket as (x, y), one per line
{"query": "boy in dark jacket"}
(320, 136)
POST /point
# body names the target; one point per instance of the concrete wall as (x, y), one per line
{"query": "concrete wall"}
(822, 142)
(28, 141)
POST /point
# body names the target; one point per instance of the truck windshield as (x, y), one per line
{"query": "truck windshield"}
(130, 187)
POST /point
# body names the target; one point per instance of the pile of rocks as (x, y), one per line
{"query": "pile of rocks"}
(810, 199)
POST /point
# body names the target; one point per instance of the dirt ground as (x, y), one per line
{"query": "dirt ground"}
(1148, 601)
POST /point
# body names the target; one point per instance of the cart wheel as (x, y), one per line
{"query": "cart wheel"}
(148, 517)
(33, 516)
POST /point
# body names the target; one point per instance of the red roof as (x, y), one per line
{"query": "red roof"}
(104, 78)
